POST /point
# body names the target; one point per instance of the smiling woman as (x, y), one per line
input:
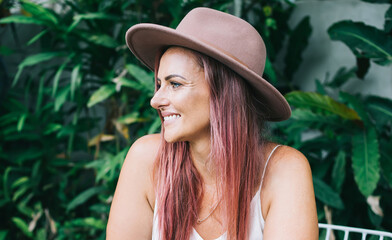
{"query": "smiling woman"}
(182, 98)
(210, 174)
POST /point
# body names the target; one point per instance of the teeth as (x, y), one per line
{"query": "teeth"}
(171, 117)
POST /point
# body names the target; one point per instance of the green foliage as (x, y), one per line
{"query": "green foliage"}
(365, 160)
(326, 194)
(364, 41)
(348, 138)
(298, 42)
(77, 104)
(75, 96)
(311, 100)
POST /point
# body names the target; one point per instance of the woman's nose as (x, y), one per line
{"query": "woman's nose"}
(159, 99)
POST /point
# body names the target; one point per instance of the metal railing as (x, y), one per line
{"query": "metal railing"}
(348, 230)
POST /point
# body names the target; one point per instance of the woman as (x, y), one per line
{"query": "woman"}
(210, 174)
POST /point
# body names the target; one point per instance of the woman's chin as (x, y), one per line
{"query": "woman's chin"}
(170, 139)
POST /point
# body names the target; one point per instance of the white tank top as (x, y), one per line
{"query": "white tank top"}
(256, 223)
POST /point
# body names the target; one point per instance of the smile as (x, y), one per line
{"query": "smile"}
(171, 117)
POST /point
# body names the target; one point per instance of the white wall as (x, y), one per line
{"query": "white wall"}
(324, 55)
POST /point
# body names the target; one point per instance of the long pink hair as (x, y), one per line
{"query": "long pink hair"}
(236, 125)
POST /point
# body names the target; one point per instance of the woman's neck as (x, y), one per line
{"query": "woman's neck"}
(200, 152)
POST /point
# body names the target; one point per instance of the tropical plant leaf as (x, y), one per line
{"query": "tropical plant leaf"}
(91, 16)
(304, 118)
(36, 37)
(40, 93)
(5, 51)
(61, 97)
(101, 94)
(131, 118)
(97, 15)
(3, 234)
(18, 193)
(366, 160)
(298, 41)
(311, 100)
(21, 122)
(99, 39)
(270, 71)
(155, 125)
(363, 40)
(355, 103)
(378, 1)
(375, 219)
(131, 84)
(19, 223)
(339, 171)
(28, 154)
(380, 108)
(90, 223)
(40, 12)
(341, 77)
(84, 196)
(40, 57)
(326, 194)
(174, 7)
(52, 127)
(101, 137)
(141, 76)
(75, 79)
(388, 20)
(41, 234)
(320, 88)
(21, 19)
(6, 186)
(19, 182)
(23, 208)
(56, 78)
(386, 161)
(35, 59)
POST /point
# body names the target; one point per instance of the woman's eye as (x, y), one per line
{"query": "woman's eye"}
(175, 84)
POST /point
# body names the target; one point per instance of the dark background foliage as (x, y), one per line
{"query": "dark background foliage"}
(78, 99)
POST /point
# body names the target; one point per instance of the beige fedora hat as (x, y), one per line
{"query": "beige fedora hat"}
(224, 37)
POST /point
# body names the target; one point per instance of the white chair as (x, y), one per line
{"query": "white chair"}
(347, 230)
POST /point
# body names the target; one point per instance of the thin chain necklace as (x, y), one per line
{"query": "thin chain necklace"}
(199, 221)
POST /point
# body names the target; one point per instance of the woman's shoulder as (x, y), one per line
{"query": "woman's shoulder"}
(133, 200)
(289, 195)
(143, 151)
(141, 155)
(285, 158)
(139, 163)
(286, 167)
(288, 170)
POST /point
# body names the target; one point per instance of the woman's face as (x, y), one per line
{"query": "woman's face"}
(182, 97)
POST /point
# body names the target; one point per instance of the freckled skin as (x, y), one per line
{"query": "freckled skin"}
(187, 96)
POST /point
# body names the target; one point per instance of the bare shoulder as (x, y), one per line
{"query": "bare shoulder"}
(140, 160)
(288, 194)
(285, 159)
(146, 146)
(287, 167)
(131, 212)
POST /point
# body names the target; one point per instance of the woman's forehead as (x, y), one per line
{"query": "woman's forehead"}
(178, 60)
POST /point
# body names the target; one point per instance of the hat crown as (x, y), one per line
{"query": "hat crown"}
(227, 33)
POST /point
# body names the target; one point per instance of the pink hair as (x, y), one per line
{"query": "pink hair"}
(236, 126)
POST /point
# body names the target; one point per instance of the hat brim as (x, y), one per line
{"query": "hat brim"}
(145, 40)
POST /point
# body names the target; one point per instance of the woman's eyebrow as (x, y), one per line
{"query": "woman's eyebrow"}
(174, 75)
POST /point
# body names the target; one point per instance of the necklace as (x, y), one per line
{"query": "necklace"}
(211, 212)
